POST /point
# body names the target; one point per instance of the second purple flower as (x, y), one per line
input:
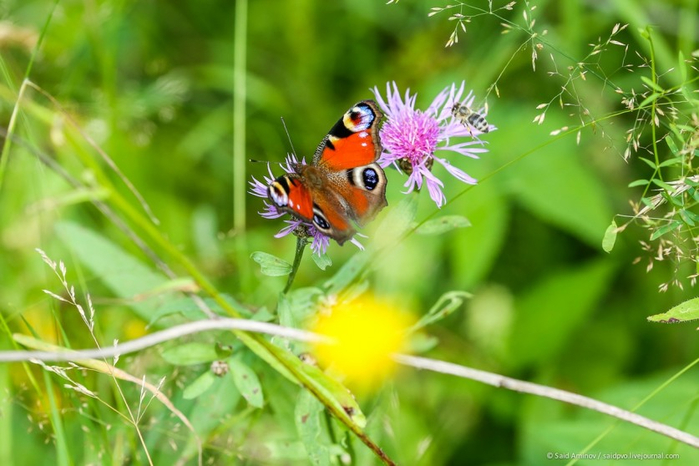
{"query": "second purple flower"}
(411, 136)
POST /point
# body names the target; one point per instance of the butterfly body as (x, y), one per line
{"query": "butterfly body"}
(343, 187)
(467, 116)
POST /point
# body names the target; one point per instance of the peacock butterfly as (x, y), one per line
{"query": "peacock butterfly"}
(343, 186)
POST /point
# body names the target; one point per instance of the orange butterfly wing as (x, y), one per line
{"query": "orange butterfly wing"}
(344, 185)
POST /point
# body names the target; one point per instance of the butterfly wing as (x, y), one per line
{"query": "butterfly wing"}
(353, 141)
(347, 156)
(344, 186)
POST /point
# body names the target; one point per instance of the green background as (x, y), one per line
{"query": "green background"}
(153, 83)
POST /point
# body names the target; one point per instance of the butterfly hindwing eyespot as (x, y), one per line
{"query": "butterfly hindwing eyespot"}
(319, 220)
(369, 178)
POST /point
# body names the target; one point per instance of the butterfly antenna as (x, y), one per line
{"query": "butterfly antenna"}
(286, 130)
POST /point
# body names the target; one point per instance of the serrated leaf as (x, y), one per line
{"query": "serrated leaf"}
(188, 354)
(438, 226)
(246, 382)
(270, 265)
(323, 261)
(610, 237)
(684, 312)
(199, 385)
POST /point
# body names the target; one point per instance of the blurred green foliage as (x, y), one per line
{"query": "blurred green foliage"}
(152, 83)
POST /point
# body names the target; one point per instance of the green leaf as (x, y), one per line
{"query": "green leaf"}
(199, 385)
(247, 382)
(445, 306)
(182, 306)
(671, 144)
(651, 84)
(339, 397)
(122, 273)
(692, 215)
(299, 304)
(323, 262)
(650, 163)
(675, 161)
(648, 202)
(675, 224)
(270, 265)
(310, 425)
(654, 96)
(610, 237)
(667, 187)
(437, 226)
(684, 312)
(687, 216)
(188, 354)
(633, 184)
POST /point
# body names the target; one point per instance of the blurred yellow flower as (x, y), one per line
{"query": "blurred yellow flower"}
(364, 334)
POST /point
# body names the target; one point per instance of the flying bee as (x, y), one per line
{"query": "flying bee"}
(466, 116)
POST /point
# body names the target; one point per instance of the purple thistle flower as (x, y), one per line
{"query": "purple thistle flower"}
(320, 241)
(411, 136)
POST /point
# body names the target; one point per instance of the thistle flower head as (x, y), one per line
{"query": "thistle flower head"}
(411, 137)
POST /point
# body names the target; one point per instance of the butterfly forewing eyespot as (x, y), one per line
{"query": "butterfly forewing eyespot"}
(359, 118)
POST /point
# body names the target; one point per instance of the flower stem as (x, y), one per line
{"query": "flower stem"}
(301, 242)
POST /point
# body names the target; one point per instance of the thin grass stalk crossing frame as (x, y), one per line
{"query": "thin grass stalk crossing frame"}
(485, 377)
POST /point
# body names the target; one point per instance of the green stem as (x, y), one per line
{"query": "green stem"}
(239, 98)
(301, 243)
(15, 111)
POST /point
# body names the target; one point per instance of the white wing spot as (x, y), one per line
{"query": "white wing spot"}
(363, 134)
